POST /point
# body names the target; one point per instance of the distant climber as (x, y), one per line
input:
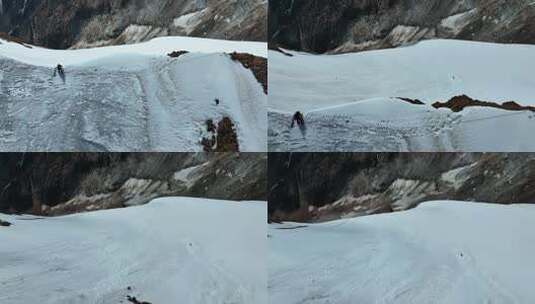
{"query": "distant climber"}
(59, 71)
(216, 101)
(298, 117)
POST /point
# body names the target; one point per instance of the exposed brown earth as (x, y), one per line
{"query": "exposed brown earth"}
(223, 139)
(7, 37)
(459, 103)
(227, 139)
(258, 65)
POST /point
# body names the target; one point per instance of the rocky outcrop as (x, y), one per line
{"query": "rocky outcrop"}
(350, 26)
(222, 138)
(459, 103)
(325, 186)
(258, 65)
(55, 184)
(82, 23)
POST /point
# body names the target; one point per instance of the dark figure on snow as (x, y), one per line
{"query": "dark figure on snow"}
(216, 101)
(59, 70)
(298, 117)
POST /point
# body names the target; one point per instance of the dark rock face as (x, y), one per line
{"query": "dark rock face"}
(82, 23)
(61, 183)
(324, 186)
(258, 65)
(348, 26)
(459, 103)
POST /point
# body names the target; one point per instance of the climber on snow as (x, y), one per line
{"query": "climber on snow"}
(298, 117)
(59, 71)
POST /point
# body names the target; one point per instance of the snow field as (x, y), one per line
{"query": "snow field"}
(440, 252)
(129, 98)
(351, 100)
(191, 250)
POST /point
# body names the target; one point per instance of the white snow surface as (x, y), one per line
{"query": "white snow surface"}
(154, 48)
(440, 252)
(350, 100)
(173, 249)
(129, 97)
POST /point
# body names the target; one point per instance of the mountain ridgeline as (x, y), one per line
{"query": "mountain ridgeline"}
(64, 183)
(83, 23)
(326, 186)
(340, 26)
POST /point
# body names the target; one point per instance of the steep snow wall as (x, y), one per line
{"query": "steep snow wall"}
(129, 98)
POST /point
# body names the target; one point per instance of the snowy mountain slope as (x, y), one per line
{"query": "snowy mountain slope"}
(131, 97)
(353, 105)
(191, 250)
(440, 252)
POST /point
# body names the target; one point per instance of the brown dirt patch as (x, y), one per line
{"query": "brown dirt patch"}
(258, 65)
(222, 139)
(7, 37)
(459, 103)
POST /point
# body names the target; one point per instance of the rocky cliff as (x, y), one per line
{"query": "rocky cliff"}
(339, 26)
(86, 23)
(324, 186)
(61, 183)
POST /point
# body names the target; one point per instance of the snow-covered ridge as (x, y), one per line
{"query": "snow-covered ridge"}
(351, 100)
(430, 71)
(158, 47)
(195, 250)
(440, 252)
(129, 97)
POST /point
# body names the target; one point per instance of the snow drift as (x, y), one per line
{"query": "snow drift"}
(351, 101)
(128, 98)
(173, 249)
(440, 252)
